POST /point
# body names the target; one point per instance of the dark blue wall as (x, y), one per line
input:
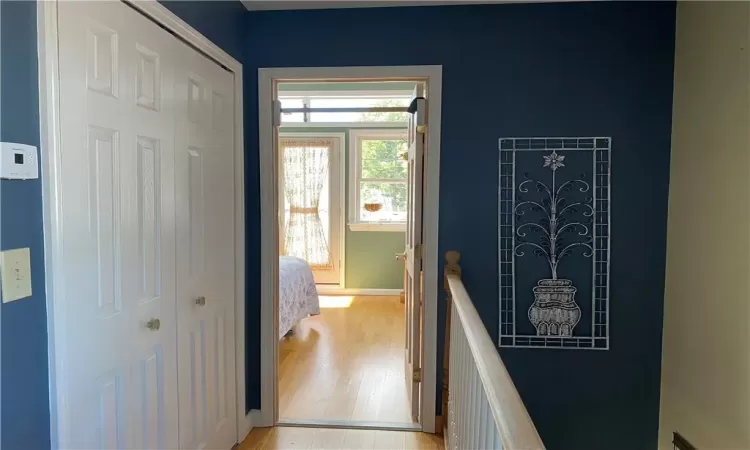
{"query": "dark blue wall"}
(574, 69)
(220, 21)
(25, 392)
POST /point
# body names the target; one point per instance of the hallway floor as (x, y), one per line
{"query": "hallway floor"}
(283, 438)
(347, 364)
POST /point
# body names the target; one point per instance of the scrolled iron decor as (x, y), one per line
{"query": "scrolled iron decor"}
(554, 206)
(562, 228)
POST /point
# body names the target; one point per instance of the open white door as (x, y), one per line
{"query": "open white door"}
(413, 291)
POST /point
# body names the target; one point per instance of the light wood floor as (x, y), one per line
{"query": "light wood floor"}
(322, 438)
(347, 364)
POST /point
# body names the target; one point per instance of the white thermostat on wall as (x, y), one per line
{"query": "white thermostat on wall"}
(18, 161)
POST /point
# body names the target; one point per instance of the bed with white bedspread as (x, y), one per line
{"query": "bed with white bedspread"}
(298, 296)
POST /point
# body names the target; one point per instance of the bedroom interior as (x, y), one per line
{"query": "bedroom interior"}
(342, 198)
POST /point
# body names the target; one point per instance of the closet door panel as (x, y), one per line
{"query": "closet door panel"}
(118, 325)
(205, 253)
(152, 230)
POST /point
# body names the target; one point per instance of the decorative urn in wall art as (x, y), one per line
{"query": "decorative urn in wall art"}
(554, 312)
(551, 227)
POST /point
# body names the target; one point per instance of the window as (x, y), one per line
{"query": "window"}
(358, 103)
(378, 180)
(310, 201)
(293, 103)
(312, 100)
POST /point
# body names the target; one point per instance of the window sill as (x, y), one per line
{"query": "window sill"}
(376, 226)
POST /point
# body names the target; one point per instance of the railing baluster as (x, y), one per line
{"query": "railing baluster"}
(474, 407)
(453, 386)
(456, 388)
(484, 409)
(462, 390)
(467, 396)
(453, 389)
(486, 424)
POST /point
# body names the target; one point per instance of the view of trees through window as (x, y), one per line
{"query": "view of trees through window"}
(382, 163)
(386, 116)
(383, 179)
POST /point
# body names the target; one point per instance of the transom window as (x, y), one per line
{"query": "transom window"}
(321, 101)
(378, 180)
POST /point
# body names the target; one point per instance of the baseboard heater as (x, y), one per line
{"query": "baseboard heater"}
(680, 443)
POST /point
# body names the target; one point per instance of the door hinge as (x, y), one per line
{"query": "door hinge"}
(416, 375)
(418, 251)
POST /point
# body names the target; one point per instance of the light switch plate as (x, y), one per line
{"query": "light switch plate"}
(15, 270)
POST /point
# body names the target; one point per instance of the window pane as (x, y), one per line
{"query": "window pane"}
(388, 198)
(382, 159)
(358, 103)
(292, 103)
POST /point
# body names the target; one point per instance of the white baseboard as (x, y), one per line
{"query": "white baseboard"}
(325, 290)
(250, 421)
(351, 424)
(246, 426)
(256, 418)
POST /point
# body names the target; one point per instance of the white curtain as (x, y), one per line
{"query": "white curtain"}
(306, 164)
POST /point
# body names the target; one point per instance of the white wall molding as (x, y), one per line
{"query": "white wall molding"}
(183, 30)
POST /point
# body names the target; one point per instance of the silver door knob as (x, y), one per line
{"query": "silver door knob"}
(153, 324)
(200, 301)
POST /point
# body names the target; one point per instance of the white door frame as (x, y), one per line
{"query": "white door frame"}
(49, 115)
(341, 149)
(269, 226)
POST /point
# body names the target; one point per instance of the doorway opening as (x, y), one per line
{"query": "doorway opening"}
(350, 313)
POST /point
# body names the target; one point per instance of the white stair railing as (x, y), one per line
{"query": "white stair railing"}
(484, 409)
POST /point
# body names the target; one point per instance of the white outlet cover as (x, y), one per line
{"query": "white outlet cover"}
(15, 270)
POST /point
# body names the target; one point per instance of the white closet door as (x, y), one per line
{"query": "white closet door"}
(118, 352)
(205, 252)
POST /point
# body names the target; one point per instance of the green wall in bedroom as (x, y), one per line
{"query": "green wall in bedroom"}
(371, 259)
(370, 256)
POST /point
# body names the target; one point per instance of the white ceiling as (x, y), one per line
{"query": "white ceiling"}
(264, 5)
